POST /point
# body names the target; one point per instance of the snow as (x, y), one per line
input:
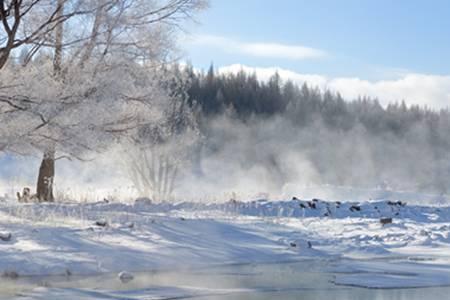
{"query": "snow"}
(102, 238)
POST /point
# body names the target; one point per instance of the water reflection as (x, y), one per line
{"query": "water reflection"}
(299, 280)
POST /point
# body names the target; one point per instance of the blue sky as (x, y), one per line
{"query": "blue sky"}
(374, 41)
(357, 35)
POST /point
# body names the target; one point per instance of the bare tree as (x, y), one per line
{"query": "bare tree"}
(29, 22)
(101, 26)
(160, 150)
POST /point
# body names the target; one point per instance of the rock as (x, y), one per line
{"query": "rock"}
(302, 205)
(294, 199)
(5, 237)
(423, 232)
(143, 201)
(312, 205)
(300, 244)
(385, 221)
(130, 225)
(125, 277)
(396, 203)
(101, 223)
(354, 208)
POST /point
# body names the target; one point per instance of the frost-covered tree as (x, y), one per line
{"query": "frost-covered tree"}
(78, 116)
(32, 22)
(160, 150)
(88, 80)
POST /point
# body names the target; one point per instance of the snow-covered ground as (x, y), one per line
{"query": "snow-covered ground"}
(94, 238)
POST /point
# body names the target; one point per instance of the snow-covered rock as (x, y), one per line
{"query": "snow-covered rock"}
(125, 276)
(5, 236)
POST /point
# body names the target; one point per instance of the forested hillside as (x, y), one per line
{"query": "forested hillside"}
(360, 141)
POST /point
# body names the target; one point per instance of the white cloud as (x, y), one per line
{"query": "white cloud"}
(265, 73)
(269, 50)
(422, 89)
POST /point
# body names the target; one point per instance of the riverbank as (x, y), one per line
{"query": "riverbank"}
(68, 239)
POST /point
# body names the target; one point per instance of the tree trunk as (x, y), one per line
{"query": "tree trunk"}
(59, 31)
(3, 58)
(44, 190)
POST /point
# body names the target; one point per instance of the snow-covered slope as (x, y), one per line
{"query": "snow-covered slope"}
(102, 237)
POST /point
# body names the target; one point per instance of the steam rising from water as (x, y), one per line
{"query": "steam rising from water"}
(267, 158)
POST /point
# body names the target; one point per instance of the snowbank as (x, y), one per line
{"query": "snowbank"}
(69, 239)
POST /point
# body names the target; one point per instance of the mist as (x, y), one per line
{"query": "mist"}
(273, 158)
(251, 139)
(263, 158)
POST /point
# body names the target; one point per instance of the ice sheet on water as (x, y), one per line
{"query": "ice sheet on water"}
(393, 274)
